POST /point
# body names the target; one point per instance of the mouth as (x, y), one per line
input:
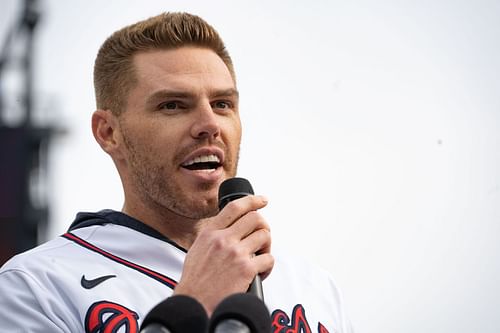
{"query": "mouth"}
(205, 163)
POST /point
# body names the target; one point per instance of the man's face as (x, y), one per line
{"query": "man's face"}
(181, 130)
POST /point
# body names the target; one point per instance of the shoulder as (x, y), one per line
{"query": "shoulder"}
(46, 286)
(30, 300)
(40, 271)
(35, 257)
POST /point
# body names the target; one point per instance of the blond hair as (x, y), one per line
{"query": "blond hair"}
(113, 69)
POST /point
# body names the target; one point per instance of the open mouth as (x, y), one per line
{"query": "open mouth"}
(204, 162)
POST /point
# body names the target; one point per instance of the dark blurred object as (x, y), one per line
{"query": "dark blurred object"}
(23, 147)
(22, 215)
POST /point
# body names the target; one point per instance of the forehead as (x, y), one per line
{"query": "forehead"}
(181, 68)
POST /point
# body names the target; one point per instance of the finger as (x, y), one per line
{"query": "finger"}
(264, 264)
(247, 224)
(258, 242)
(237, 208)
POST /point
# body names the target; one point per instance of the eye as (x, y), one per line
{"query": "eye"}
(222, 105)
(169, 105)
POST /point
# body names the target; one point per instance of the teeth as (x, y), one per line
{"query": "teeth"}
(203, 159)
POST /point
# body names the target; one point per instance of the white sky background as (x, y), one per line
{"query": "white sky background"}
(373, 128)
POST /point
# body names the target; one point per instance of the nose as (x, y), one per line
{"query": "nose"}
(206, 123)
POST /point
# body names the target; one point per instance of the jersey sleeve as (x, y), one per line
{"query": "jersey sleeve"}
(26, 306)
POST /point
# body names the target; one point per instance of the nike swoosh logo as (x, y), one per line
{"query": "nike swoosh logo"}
(89, 284)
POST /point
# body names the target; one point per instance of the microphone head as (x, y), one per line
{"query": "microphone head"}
(179, 313)
(232, 189)
(245, 308)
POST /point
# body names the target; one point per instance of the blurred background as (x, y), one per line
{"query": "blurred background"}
(372, 127)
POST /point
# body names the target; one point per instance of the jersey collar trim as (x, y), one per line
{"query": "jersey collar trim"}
(109, 216)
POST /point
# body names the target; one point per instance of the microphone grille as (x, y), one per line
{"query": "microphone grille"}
(232, 189)
(179, 313)
(245, 308)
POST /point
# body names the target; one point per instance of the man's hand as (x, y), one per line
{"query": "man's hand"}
(230, 250)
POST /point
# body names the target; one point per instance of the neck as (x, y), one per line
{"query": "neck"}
(180, 229)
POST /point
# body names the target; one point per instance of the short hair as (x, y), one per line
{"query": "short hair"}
(114, 74)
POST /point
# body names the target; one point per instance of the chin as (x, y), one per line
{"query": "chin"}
(196, 209)
(200, 214)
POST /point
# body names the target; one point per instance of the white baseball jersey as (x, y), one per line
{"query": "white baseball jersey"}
(110, 270)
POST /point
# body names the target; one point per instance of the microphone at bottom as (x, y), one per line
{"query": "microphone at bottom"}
(240, 313)
(176, 314)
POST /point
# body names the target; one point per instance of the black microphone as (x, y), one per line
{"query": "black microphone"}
(232, 189)
(240, 313)
(176, 314)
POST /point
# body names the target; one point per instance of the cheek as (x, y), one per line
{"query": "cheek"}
(149, 141)
(166, 145)
(233, 130)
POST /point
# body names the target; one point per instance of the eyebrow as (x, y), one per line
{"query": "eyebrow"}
(164, 93)
(226, 93)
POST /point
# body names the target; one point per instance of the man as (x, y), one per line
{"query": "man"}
(167, 114)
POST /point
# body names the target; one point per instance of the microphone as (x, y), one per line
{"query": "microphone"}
(176, 314)
(232, 189)
(240, 313)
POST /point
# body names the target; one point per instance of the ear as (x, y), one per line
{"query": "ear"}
(107, 132)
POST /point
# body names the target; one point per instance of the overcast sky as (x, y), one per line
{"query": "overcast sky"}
(372, 126)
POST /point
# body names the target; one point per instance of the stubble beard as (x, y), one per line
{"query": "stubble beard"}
(158, 190)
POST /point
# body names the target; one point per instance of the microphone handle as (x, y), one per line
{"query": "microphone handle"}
(256, 288)
(233, 189)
